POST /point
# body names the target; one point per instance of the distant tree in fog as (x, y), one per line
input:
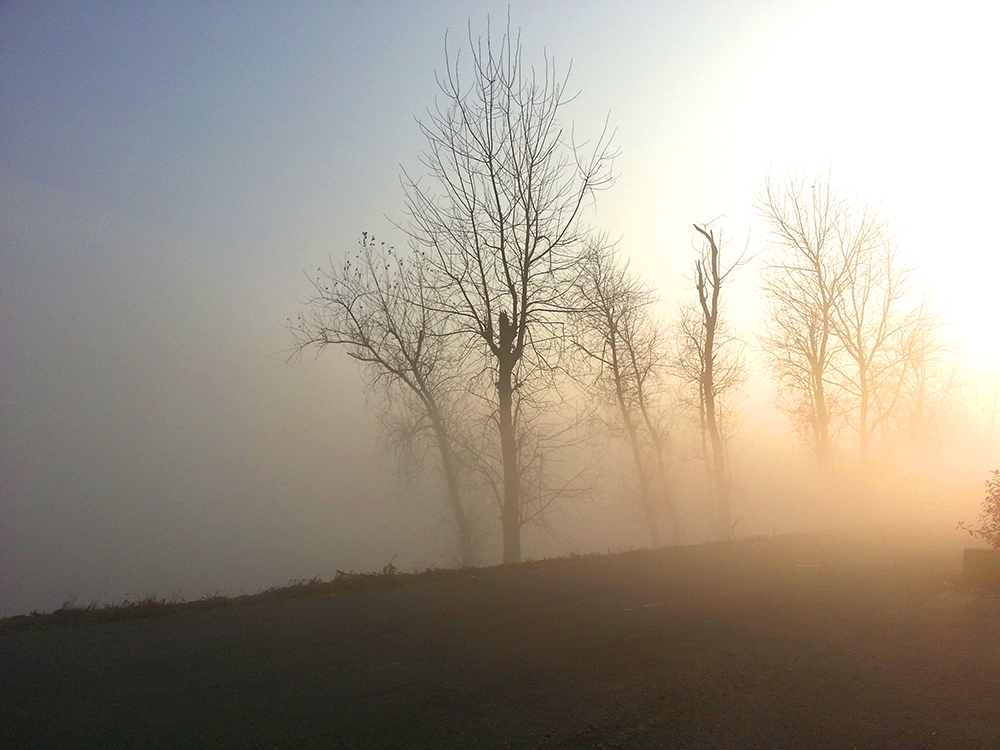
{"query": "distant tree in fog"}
(373, 306)
(498, 224)
(801, 282)
(985, 399)
(849, 336)
(628, 350)
(879, 320)
(934, 381)
(709, 357)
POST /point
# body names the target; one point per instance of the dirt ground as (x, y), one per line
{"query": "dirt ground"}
(822, 640)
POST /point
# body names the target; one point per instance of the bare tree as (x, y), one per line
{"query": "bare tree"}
(848, 334)
(877, 319)
(934, 378)
(499, 223)
(709, 358)
(801, 281)
(618, 334)
(555, 456)
(373, 306)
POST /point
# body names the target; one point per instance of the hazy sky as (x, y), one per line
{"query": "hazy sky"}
(170, 170)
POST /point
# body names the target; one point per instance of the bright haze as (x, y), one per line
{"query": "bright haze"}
(173, 172)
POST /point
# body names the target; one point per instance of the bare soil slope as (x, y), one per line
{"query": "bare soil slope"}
(824, 640)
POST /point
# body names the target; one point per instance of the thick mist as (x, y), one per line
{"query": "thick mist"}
(172, 176)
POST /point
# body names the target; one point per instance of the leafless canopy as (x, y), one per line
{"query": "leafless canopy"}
(373, 305)
(709, 358)
(802, 278)
(849, 335)
(627, 349)
(499, 223)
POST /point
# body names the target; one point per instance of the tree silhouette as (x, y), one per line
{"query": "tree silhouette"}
(849, 336)
(801, 281)
(710, 358)
(499, 225)
(373, 306)
(618, 335)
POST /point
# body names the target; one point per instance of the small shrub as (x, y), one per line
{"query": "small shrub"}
(989, 520)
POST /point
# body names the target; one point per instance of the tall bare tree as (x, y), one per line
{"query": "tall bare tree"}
(373, 306)
(878, 322)
(801, 282)
(849, 336)
(618, 334)
(934, 379)
(710, 358)
(499, 223)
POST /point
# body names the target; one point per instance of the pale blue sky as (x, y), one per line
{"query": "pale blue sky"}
(169, 170)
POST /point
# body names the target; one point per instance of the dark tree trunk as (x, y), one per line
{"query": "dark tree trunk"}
(463, 524)
(709, 289)
(510, 510)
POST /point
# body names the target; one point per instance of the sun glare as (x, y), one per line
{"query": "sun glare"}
(896, 104)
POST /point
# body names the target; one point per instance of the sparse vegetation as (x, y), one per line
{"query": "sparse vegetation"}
(989, 520)
(70, 614)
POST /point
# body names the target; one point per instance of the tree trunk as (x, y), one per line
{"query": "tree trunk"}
(466, 546)
(641, 467)
(824, 454)
(661, 478)
(718, 461)
(510, 510)
(645, 498)
(863, 408)
(710, 278)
